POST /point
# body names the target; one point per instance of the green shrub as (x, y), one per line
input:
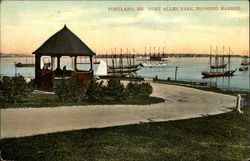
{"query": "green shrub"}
(14, 89)
(115, 90)
(71, 91)
(145, 89)
(136, 88)
(95, 91)
(132, 88)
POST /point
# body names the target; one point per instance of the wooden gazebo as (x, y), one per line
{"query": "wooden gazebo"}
(62, 43)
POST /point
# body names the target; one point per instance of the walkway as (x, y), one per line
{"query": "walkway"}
(180, 103)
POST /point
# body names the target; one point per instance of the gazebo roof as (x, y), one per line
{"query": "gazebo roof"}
(64, 43)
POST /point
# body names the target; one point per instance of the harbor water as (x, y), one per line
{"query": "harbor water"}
(189, 69)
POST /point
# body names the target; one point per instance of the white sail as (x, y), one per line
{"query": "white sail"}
(102, 69)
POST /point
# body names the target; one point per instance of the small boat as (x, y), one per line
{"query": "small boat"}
(19, 64)
(247, 63)
(123, 67)
(245, 60)
(151, 65)
(24, 65)
(218, 74)
(243, 69)
(122, 71)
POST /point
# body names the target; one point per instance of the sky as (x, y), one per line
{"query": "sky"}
(26, 25)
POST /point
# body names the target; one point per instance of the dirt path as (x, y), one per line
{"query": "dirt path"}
(180, 103)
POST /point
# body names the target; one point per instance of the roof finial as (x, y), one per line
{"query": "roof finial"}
(65, 25)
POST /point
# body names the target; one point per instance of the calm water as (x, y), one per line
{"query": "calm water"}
(189, 69)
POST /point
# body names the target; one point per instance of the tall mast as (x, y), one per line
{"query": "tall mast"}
(150, 51)
(121, 63)
(113, 61)
(133, 59)
(133, 56)
(243, 57)
(217, 59)
(127, 57)
(163, 54)
(210, 57)
(112, 57)
(229, 59)
(248, 55)
(223, 61)
(115, 58)
(107, 57)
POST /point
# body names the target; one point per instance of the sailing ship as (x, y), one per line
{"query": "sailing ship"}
(19, 64)
(244, 63)
(121, 70)
(245, 60)
(154, 60)
(219, 60)
(218, 69)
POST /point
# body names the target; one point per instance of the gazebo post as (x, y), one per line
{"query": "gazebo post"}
(38, 63)
(37, 67)
(58, 62)
(91, 64)
(75, 63)
(52, 63)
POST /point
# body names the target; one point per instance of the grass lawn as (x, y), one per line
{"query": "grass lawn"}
(50, 100)
(223, 137)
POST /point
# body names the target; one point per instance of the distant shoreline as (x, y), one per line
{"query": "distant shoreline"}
(188, 55)
(15, 55)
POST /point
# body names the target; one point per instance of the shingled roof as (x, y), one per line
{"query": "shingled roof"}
(64, 43)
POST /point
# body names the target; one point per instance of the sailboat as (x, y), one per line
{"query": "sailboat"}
(154, 60)
(244, 63)
(219, 60)
(245, 60)
(121, 69)
(19, 64)
(218, 71)
(243, 69)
